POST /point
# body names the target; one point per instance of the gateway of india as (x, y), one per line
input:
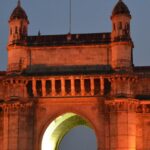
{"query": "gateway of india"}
(54, 83)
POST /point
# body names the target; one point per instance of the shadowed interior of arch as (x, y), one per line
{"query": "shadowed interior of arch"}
(58, 128)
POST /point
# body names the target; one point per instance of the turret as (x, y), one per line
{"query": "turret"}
(18, 31)
(18, 25)
(121, 40)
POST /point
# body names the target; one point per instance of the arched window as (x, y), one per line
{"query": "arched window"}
(24, 30)
(128, 26)
(120, 25)
(16, 30)
(10, 31)
(20, 30)
(114, 26)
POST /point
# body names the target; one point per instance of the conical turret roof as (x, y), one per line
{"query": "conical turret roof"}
(18, 13)
(121, 8)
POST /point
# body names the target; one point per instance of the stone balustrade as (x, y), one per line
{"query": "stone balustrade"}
(67, 86)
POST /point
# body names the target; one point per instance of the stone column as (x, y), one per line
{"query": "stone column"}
(34, 87)
(14, 89)
(82, 87)
(92, 86)
(72, 86)
(1, 127)
(24, 86)
(5, 128)
(113, 86)
(43, 87)
(8, 91)
(53, 87)
(11, 89)
(26, 135)
(101, 86)
(13, 126)
(123, 125)
(62, 87)
(141, 129)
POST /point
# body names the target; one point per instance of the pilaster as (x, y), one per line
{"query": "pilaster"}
(122, 124)
(92, 86)
(34, 87)
(101, 86)
(72, 86)
(5, 129)
(63, 86)
(53, 87)
(82, 87)
(43, 87)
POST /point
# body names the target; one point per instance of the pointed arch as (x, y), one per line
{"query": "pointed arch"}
(59, 127)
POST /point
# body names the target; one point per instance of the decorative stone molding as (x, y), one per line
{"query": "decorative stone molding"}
(128, 77)
(121, 105)
(16, 106)
(129, 105)
(143, 108)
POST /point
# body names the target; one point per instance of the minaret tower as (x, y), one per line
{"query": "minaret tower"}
(122, 44)
(18, 25)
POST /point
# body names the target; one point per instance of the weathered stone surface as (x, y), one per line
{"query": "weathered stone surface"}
(89, 80)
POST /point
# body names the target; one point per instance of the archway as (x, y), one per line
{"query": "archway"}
(58, 128)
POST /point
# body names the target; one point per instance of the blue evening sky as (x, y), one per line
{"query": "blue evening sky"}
(52, 17)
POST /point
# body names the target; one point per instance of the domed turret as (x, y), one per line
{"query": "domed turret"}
(18, 13)
(18, 24)
(120, 21)
(121, 40)
(121, 9)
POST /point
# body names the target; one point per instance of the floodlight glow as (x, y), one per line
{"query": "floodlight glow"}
(49, 141)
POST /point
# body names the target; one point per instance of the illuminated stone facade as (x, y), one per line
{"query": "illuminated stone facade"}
(70, 80)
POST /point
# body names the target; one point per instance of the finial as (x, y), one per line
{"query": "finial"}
(69, 36)
(39, 33)
(19, 3)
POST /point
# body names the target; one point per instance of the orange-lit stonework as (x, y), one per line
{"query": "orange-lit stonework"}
(54, 83)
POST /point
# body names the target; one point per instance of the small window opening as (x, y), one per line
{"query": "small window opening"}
(48, 87)
(68, 86)
(87, 86)
(24, 30)
(10, 31)
(120, 25)
(16, 30)
(96, 86)
(29, 89)
(39, 87)
(114, 26)
(58, 86)
(77, 86)
(107, 87)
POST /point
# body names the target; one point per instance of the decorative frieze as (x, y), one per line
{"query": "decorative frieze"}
(129, 105)
(15, 106)
(143, 108)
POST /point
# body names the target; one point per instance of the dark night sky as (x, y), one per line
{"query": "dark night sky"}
(52, 17)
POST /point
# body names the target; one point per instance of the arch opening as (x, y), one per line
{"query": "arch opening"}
(79, 138)
(59, 128)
